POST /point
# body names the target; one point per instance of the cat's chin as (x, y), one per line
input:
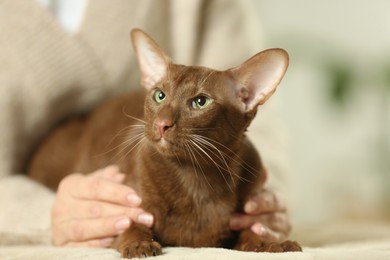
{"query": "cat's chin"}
(163, 143)
(165, 147)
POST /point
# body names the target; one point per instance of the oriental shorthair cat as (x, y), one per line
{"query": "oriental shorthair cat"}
(181, 142)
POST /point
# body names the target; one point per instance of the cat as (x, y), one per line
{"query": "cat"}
(184, 149)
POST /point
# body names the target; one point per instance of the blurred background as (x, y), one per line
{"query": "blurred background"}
(336, 103)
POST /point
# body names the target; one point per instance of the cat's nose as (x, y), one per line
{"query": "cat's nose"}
(162, 126)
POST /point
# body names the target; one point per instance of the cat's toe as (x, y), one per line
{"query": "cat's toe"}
(261, 246)
(291, 246)
(140, 249)
(275, 247)
(271, 247)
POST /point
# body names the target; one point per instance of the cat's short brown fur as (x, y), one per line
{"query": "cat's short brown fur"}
(185, 152)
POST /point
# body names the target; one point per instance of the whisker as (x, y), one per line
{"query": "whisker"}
(131, 145)
(202, 139)
(220, 153)
(132, 117)
(203, 129)
(122, 130)
(141, 140)
(140, 128)
(236, 159)
(192, 161)
(215, 163)
(125, 142)
(206, 78)
(128, 142)
(220, 156)
(199, 166)
(177, 158)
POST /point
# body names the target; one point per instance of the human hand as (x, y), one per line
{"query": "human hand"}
(265, 214)
(89, 210)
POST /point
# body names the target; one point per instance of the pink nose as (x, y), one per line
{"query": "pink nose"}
(162, 126)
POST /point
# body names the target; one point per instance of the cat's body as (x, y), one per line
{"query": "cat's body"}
(184, 152)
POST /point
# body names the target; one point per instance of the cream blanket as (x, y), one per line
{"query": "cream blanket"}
(356, 251)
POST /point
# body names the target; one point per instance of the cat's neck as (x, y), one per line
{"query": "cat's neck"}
(196, 177)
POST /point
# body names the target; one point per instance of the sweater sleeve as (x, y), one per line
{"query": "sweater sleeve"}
(25, 215)
(41, 78)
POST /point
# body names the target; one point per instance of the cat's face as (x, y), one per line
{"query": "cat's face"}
(193, 109)
(198, 111)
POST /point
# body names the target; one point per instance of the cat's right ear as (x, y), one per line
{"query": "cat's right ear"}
(151, 58)
(257, 78)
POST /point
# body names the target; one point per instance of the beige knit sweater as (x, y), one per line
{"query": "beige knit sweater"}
(47, 74)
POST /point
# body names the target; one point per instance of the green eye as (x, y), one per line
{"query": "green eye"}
(201, 102)
(159, 96)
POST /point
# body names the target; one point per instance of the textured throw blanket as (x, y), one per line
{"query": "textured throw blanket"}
(358, 251)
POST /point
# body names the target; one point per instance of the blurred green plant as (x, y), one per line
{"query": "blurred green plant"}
(387, 76)
(340, 76)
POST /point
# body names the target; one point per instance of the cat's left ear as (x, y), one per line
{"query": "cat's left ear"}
(257, 78)
(151, 58)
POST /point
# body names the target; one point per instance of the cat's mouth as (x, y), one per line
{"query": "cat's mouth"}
(165, 146)
(163, 142)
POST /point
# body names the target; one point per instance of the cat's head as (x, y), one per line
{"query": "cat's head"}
(190, 109)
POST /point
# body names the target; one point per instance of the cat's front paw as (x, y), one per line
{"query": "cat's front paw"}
(262, 246)
(271, 247)
(140, 249)
(291, 246)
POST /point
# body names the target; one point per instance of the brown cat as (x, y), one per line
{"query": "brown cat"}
(184, 151)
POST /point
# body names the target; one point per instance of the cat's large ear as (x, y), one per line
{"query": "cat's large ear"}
(151, 58)
(257, 78)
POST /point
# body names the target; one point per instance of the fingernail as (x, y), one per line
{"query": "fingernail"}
(250, 207)
(106, 242)
(122, 224)
(134, 199)
(145, 218)
(258, 229)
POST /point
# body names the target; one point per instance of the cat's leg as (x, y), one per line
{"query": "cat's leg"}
(249, 241)
(137, 241)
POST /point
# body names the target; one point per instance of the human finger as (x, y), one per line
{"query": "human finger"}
(79, 230)
(267, 233)
(95, 188)
(264, 202)
(278, 222)
(96, 209)
(240, 221)
(111, 173)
